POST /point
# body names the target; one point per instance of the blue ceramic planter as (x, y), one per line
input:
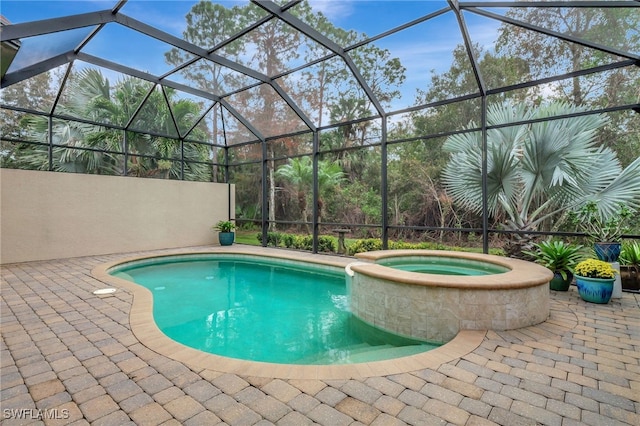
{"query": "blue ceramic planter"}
(226, 238)
(595, 290)
(609, 252)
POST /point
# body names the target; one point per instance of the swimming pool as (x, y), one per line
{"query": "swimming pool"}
(262, 310)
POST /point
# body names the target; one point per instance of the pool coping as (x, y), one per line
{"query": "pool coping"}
(147, 332)
(521, 274)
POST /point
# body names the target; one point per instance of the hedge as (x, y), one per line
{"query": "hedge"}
(328, 244)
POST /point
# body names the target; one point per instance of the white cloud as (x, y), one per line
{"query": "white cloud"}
(169, 18)
(334, 10)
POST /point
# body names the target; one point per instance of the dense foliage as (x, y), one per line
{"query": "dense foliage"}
(426, 160)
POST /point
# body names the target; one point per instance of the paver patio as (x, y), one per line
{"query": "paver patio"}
(70, 357)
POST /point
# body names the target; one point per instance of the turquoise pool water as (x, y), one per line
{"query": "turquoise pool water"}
(441, 265)
(258, 310)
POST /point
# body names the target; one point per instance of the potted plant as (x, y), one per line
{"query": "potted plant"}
(560, 258)
(630, 266)
(594, 279)
(606, 232)
(226, 233)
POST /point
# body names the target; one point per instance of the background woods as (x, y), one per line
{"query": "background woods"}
(334, 128)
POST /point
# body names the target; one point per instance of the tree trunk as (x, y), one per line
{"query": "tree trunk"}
(272, 195)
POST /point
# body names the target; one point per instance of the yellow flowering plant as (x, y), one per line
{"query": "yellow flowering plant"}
(594, 268)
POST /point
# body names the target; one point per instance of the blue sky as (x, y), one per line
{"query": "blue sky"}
(421, 49)
(361, 15)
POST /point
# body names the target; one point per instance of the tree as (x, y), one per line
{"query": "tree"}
(617, 28)
(540, 170)
(299, 172)
(350, 135)
(415, 193)
(546, 55)
(332, 81)
(460, 80)
(383, 73)
(209, 24)
(80, 147)
(37, 94)
(272, 48)
(330, 175)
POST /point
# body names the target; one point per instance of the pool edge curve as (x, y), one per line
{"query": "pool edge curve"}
(144, 328)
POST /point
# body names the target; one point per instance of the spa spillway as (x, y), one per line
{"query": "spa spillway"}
(432, 295)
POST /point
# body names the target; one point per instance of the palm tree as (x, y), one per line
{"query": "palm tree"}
(80, 145)
(330, 175)
(538, 171)
(299, 172)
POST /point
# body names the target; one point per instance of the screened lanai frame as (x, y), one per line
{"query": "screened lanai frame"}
(226, 114)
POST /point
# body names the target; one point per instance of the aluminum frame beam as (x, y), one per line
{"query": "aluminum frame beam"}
(555, 34)
(38, 68)
(571, 3)
(100, 18)
(156, 80)
(220, 60)
(468, 46)
(53, 25)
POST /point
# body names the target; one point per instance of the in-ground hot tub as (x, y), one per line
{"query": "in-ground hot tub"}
(433, 294)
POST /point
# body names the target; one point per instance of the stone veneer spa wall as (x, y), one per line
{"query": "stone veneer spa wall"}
(436, 307)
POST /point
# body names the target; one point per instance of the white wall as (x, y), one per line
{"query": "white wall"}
(49, 215)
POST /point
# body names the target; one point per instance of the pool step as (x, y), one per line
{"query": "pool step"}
(365, 347)
(363, 352)
(378, 353)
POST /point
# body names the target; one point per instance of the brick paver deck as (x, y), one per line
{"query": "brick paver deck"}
(70, 357)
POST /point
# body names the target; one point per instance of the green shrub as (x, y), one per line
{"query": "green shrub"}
(300, 242)
(360, 246)
(273, 238)
(327, 244)
(372, 244)
(401, 245)
(288, 240)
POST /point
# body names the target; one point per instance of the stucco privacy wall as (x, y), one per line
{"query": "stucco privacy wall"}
(48, 215)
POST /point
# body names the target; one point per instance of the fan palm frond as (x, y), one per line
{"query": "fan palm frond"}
(538, 170)
(612, 186)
